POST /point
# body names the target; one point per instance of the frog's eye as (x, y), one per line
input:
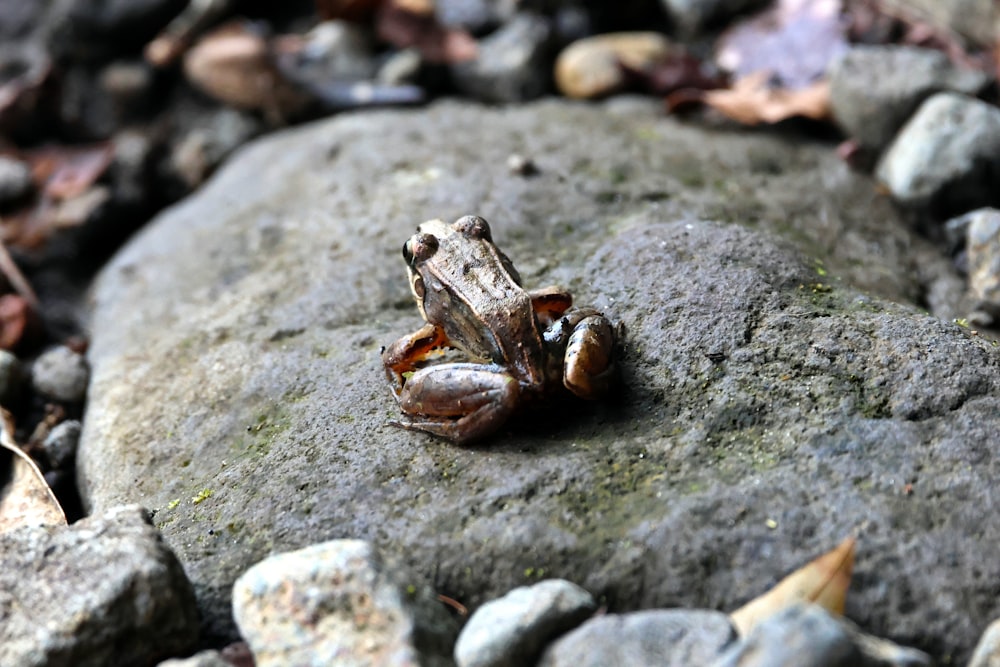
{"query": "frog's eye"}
(473, 227)
(419, 247)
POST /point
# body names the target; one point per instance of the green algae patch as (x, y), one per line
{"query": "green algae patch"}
(266, 429)
(202, 496)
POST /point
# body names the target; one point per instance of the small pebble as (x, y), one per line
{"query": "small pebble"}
(984, 262)
(592, 67)
(520, 165)
(60, 444)
(513, 629)
(875, 89)
(15, 180)
(335, 603)
(61, 374)
(946, 156)
(512, 63)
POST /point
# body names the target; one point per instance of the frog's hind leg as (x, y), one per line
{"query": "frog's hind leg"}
(461, 402)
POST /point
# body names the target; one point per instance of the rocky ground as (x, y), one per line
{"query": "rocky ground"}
(809, 352)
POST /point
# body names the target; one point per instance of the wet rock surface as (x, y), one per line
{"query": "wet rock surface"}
(766, 408)
(104, 591)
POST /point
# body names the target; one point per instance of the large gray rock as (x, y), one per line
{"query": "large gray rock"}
(237, 384)
(875, 89)
(104, 591)
(946, 157)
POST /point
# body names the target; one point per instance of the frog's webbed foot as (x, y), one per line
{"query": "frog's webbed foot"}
(459, 401)
(588, 361)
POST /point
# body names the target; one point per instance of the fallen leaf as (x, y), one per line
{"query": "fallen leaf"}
(16, 279)
(794, 40)
(753, 100)
(64, 172)
(824, 581)
(25, 498)
(65, 179)
(412, 23)
(679, 70)
(17, 321)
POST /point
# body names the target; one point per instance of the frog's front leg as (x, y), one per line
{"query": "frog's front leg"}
(588, 339)
(458, 401)
(407, 353)
(549, 304)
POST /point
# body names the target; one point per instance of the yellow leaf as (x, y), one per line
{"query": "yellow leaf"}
(823, 581)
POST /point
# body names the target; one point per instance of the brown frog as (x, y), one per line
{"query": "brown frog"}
(520, 345)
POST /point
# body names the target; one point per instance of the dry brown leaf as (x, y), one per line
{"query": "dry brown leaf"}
(64, 177)
(752, 100)
(25, 498)
(63, 172)
(411, 23)
(18, 322)
(824, 581)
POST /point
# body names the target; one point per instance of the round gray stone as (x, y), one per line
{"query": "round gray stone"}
(61, 374)
(666, 637)
(334, 604)
(875, 89)
(15, 180)
(946, 157)
(512, 630)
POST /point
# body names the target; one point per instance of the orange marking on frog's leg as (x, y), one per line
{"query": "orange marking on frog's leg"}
(459, 401)
(549, 303)
(405, 354)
